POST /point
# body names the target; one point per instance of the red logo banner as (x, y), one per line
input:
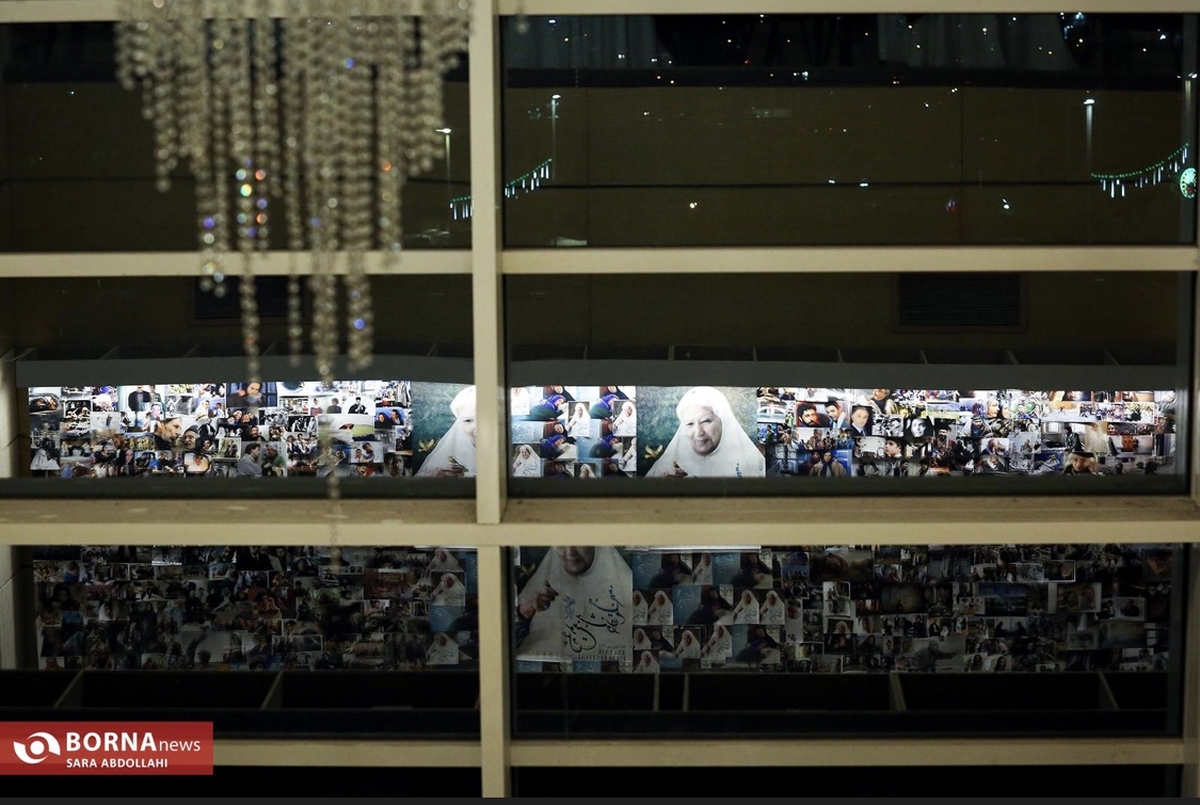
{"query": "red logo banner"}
(100, 747)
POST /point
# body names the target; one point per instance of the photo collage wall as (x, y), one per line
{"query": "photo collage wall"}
(705, 432)
(237, 609)
(993, 609)
(376, 428)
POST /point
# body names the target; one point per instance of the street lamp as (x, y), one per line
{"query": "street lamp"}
(449, 185)
(554, 99)
(1088, 104)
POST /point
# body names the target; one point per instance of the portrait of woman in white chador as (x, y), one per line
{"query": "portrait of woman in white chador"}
(442, 651)
(454, 454)
(450, 592)
(577, 605)
(746, 610)
(709, 442)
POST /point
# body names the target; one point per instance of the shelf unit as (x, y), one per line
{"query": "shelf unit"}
(492, 522)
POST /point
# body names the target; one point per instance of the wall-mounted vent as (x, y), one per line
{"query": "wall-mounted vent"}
(960, 302)
(271, 293)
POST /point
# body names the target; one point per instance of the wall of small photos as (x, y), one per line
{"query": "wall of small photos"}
(235, 609)
(376, 428)
(591, 432)
(993, 609)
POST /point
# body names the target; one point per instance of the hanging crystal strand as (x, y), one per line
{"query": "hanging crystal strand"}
(223, 75)
(266, 123)
(317, 173)
(196, 135)
(266, 99)
(147, 60)
(318, 170)
(332, 62)
(396, 34)
(356, 194)
(425, 101)
(295, 56)
(164, 100)
(241, 142)
(125, 37)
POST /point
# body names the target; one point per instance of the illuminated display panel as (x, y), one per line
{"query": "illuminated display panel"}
(375, 428)
(807, 609)
(267, 609)
(595, 432)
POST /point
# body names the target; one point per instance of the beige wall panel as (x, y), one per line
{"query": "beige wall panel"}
(844, 310)
(560, 310)
(1018, 135)
(7, 217)
(547, 216)
(765, 135)
(531, 136)
(8, 626)
(130, 311)
(84, 130)
(102, 215)
(770, 216)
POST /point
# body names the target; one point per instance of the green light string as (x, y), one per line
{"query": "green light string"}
(461, 207)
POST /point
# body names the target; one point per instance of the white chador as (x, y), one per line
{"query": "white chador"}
(443, 561)
(772, 612)
(688, 648)
(591, 618)
(442, 651)
(719, 646)
(450, 592)
(456, 449)
(733, 455)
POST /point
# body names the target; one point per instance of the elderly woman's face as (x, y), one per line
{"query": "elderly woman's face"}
(702, 427)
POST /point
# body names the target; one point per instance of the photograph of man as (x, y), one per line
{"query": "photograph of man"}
(357, 407)
(835, 410)
(248, 465)
(860, 421)
(139, 399)
(807, 416)
(166, 433)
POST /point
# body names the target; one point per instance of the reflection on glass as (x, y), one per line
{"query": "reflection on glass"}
(81, 168)
(349, 428)
(981, 608)
(256, 609)
(589, 432)
(879, 129)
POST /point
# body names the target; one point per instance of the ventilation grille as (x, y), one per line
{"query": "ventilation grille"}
(271, 293)
(959, 302)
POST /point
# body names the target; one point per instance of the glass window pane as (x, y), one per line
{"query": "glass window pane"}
(396, 627)
(143, 379)
(731, 130)
(755, 640)
(79, 165)
(849, 383)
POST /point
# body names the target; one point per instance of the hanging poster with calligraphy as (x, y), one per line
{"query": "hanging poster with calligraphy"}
(575, 603)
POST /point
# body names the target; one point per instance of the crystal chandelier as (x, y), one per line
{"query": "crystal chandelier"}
(323, 107)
